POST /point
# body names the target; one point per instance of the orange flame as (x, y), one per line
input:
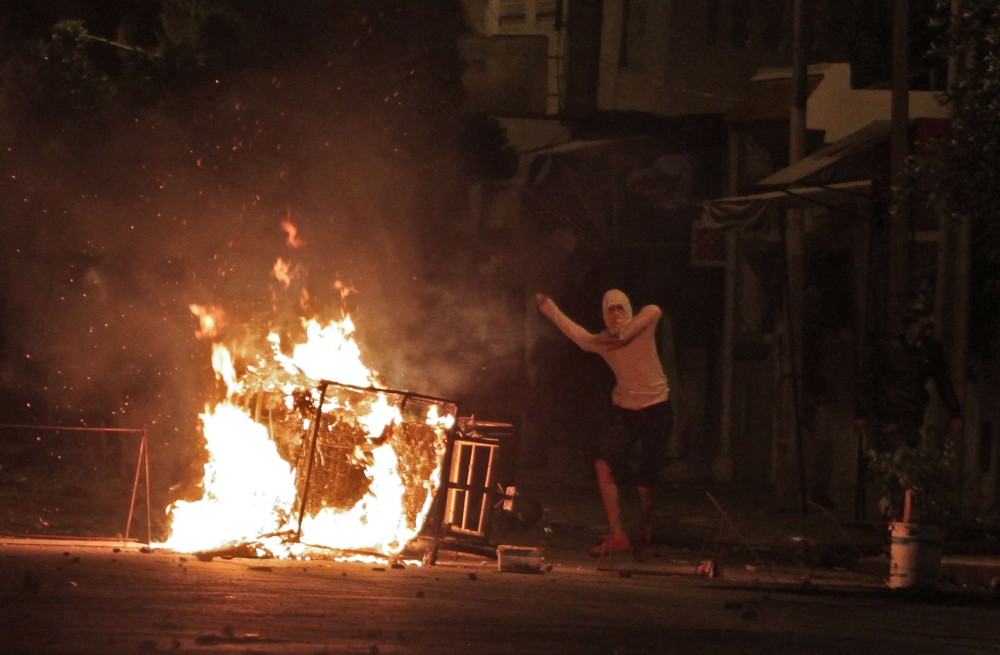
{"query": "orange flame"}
(210, 320)
(250, 493)
(285, 272)
(293, 240)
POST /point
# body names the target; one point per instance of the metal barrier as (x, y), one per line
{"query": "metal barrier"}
(142, 464)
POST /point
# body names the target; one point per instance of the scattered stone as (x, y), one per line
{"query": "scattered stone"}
(548, 568)
(146, 550)
(183, 559)
(66, 554)
(75, 560)
(472, 576)
(378, 568)
(398, 565)
(204, 557)
(116, 550)
(344, 575)
(420, 593)
(265, 569)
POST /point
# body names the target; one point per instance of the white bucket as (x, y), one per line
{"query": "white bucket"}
(915, 555)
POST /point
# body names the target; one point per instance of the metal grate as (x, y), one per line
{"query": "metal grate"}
(479, 472)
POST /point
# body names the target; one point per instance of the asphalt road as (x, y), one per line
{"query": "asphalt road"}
(92, 600)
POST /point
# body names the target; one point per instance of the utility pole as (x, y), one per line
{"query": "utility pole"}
(968, 442)
(795, 248)
(899, 229)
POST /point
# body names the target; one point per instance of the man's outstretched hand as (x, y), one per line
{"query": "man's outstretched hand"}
(541, 299)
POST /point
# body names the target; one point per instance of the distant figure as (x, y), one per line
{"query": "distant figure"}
(641, 409)
(892, 396)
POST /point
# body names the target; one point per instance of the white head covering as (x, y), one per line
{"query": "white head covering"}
(616, 297)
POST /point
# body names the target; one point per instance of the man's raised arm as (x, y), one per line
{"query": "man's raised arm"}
(579, 336)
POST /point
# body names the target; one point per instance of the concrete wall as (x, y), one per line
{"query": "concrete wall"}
(671, 69)
(839, 110)
(505, 74)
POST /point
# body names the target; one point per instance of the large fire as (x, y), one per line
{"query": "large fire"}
(361, 481)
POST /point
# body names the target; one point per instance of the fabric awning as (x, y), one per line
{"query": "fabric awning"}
(852, 144)
(762, 213)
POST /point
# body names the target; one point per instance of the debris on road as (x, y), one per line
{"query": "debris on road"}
(709, 568)
(518, 559)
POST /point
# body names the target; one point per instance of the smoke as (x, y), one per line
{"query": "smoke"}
(111, 231)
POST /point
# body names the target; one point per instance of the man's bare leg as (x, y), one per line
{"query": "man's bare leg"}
(609, 494)
(644, 533)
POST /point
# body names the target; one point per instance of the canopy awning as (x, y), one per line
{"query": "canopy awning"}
(854, 143)
(762, 213)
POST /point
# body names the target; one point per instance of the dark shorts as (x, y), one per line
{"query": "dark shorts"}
(649, 427)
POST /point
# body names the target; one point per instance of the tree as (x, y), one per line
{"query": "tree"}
(959, 175)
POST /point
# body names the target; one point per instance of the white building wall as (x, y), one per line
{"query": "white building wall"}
(840, 110)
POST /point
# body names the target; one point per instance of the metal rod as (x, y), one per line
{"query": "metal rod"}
(135, 488)
(489, 488)
(149, 511)
(726, 518)
(312, 454)
(839, 527)
(17, 426)
(405, 394)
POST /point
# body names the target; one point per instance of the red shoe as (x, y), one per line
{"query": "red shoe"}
(611, 545)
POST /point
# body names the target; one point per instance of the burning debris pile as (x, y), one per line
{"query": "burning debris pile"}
(306, 451)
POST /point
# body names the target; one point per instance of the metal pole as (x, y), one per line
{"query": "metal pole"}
(722, 466)
(135, 488)
(794, 235)
(59, 428)
(149, 512)
(312, 455)
(899, 220)
(396, 392)
(797, 117)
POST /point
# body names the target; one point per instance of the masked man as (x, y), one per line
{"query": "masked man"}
(641, 409)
